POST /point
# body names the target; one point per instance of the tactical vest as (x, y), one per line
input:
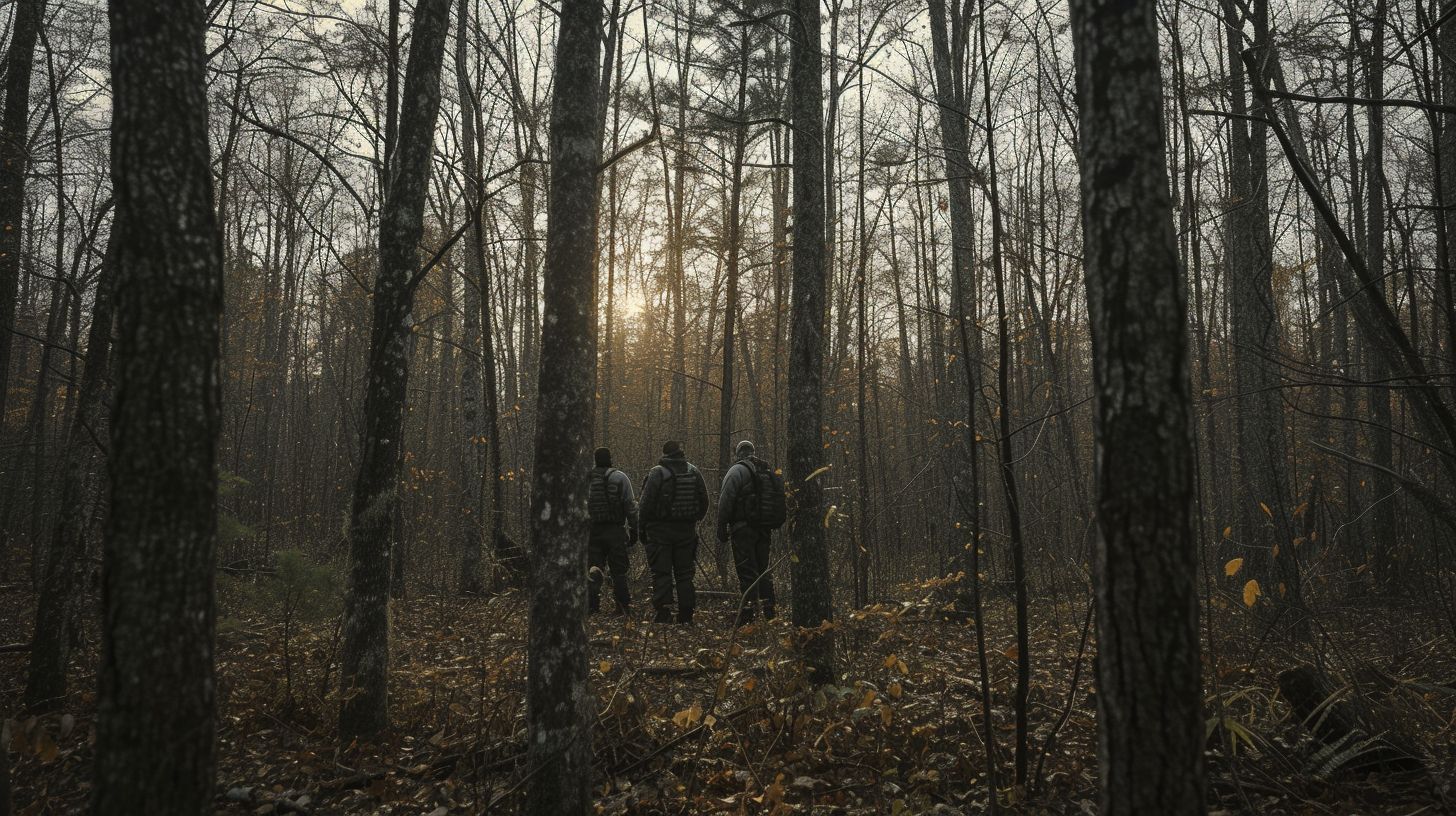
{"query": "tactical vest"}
(763, 503)
(677, 496)
(604, 498)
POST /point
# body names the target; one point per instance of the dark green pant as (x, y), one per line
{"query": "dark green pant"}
(751, 558)
(608, 553)
(672, 551)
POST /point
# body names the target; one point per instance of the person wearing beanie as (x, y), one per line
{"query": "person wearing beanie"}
(741, 521)
(613, 510)
(674, 500)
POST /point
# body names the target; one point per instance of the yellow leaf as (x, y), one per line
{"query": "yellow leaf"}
(1251, 592)
(885, 714)
(1011, 652)
(820, 472)
(751, 683)
(1267, 511)
(890, 662)
(45, 747)
(868, 699)
(688, 716)
(1233, 566)
(604, 666)
(895, 690)
(1275, 552)
(1228, 531)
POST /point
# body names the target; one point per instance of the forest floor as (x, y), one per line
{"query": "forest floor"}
(702, 720)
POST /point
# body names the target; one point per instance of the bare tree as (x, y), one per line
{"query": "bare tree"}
(155, 749)
(1149, 705)
(558, 703)
(813, 599)
(365, 658)
(14, 159)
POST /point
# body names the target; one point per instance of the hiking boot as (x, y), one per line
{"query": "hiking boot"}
(663, 616)
(685, 617)
(768, 611)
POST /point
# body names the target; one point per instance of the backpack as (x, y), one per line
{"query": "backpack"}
(604, 499)
(766, 505)
(677, 495)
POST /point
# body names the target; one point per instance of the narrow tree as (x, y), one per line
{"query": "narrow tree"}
(1383, 526)
(558, 702)
(1262, 513)
(156, 711)
(14, 157)
(472, 447)
(812, 597)
(1150, 740)
(365, 656)
(61, 576)
(949, 41)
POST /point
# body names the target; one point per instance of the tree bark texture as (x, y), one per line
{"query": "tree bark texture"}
(14, 157)
(558, 701)
(1150, 740)
(364, 674)
(813, 602)
(156, 715)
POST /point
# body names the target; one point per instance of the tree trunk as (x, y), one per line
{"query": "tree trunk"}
(1262, 514)
(1382, 449)
(813, 602)
(558, 701)
(14, 157)
(156, 709)
(1150, 722)
(1446, 152)
(61, 579)
(948, 45)
(733, 239)
(473, 446)
(364, 674)
(1004, 447)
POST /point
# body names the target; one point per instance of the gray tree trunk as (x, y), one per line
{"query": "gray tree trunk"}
(558, 701)
(1150, 722)
(813, 601)
(1446, 147)
(364, 674)
(14, 157)
(61, 578)
(472, 448)
(1383, 526)
(1262, 515)
(156, 710)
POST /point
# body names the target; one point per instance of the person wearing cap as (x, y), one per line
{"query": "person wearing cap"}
(613, 510)
(751, 541)
(674, 500)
